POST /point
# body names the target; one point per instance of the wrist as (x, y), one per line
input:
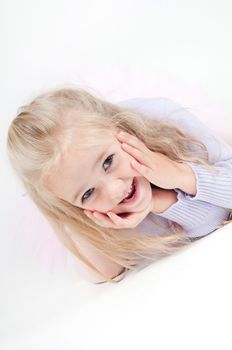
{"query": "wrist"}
(188, 182)
(162, 199)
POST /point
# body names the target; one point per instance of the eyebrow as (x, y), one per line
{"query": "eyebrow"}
(79, 191)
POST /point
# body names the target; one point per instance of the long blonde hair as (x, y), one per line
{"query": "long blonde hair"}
(37, 137)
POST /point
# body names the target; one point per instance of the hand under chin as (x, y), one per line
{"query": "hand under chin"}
(146, 211)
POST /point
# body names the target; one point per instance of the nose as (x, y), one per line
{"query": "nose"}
(116, 190)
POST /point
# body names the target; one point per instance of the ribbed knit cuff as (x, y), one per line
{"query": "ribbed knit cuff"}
(196, 217)
(211, 187)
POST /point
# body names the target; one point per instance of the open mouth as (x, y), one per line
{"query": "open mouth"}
(131, 196)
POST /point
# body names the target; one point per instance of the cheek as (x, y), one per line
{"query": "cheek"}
(125, 166)
(125, 161)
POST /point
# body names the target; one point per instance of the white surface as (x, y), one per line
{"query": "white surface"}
(120, 49)
(183, 301)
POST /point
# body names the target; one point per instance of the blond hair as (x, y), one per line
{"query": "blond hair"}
(37, 138)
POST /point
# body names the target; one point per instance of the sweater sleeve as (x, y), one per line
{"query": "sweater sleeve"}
(198, 218)
(212, 188)
(204, 212)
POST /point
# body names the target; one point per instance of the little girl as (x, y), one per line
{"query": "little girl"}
(113, 198)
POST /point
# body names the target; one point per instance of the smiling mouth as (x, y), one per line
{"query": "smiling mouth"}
(131, 194)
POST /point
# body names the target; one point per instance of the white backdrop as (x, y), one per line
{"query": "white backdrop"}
(118, 49)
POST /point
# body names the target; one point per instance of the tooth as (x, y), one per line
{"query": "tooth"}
(130, 190)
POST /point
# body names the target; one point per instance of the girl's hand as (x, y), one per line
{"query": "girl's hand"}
(157, 168)
(118, 221)
(161, 201)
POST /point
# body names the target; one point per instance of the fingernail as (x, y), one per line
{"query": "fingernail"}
(125, 146)
(122, 134)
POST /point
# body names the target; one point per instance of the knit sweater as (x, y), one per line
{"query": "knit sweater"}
(204, 212)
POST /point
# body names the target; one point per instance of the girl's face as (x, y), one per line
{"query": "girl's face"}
(99, 177)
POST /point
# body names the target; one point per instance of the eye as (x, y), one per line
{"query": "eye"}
(107, 160)
(85, 198)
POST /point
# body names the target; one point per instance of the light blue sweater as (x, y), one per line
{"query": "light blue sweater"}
(205, 212)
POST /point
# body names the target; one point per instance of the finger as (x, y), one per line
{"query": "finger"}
(117, 220)
(132, 150)
(139, 155)
(94, 217)
(142, 169)
(135, 147)
(131, 140)
(103, 219)
(131, 220)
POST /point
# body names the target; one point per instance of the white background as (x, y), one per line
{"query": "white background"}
(118, 49)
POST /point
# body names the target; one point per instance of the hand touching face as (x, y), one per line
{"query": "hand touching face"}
(157, 168)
